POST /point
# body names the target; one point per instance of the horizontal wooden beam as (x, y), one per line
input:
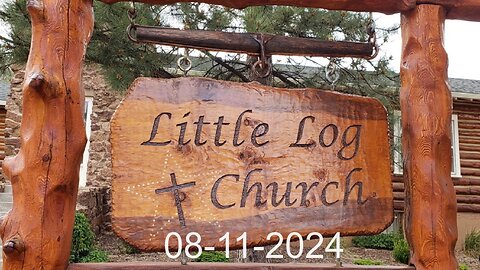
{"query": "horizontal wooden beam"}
(384, 6)
(225, 266)
(249, 43)
(456, 9)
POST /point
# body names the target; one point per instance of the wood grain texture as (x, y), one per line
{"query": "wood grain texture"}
(467, 187)
(456, 9)
(246, 43)
(459, 9)
(226, 266)
(37, 232)
(141, 165)
(426, 103)
(384, 6)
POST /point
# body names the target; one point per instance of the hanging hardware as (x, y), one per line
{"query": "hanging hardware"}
(184, 63)
(132, 27)
(254, 44)
(372, 36)
(262, 68)
(331, 73)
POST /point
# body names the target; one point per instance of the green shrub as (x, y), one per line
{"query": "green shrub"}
(83, 242)
(462, 266)
(379, 241)
(401, 251)
(212, 256)
(95, 255)
(472, 243)
(367, 262)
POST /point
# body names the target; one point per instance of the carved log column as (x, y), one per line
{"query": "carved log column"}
(426, 103)
(37, 232)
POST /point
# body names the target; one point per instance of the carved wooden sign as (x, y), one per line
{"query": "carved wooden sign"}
(198, 155)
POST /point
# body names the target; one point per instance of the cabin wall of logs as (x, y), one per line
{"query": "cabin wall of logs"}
(3, 113)
(467, 187)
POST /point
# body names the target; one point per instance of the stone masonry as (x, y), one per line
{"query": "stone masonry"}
(94, 199)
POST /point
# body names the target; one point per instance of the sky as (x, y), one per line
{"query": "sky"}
(462, 43)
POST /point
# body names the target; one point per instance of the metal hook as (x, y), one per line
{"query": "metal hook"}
(184, 63)
(372, 37)
(131, 29)
(262, 68)
(332, 74)
(376, 50)
(131, 32)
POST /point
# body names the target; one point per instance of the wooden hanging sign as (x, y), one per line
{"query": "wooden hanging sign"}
(205, 156)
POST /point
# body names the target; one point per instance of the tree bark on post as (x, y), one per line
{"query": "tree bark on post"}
(37, 232)
(426, 103)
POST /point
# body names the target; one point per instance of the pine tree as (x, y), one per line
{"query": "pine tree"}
(124, 60)
(121, 59)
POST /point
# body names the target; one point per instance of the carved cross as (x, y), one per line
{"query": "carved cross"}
(176, 194)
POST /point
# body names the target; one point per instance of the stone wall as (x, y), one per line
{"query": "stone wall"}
(14, 113)
(94, 199)
(95, 203)
(105, 101)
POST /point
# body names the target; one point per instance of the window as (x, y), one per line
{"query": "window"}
(88, 123)
(397, 224)
(397, 147)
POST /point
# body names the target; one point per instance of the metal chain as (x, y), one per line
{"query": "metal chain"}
(372, 36)
(331, 73)
(184, 63)
(132, 27)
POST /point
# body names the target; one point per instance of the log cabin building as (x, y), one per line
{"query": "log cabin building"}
(465, 158)
(101, 101)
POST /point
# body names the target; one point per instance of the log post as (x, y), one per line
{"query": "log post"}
(426, 103)
(37, 232)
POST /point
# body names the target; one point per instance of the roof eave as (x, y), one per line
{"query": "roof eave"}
(465, 95)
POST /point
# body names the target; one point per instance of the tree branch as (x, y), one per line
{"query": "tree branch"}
(219, 61)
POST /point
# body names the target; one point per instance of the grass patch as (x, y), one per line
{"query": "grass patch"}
(472, 243)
